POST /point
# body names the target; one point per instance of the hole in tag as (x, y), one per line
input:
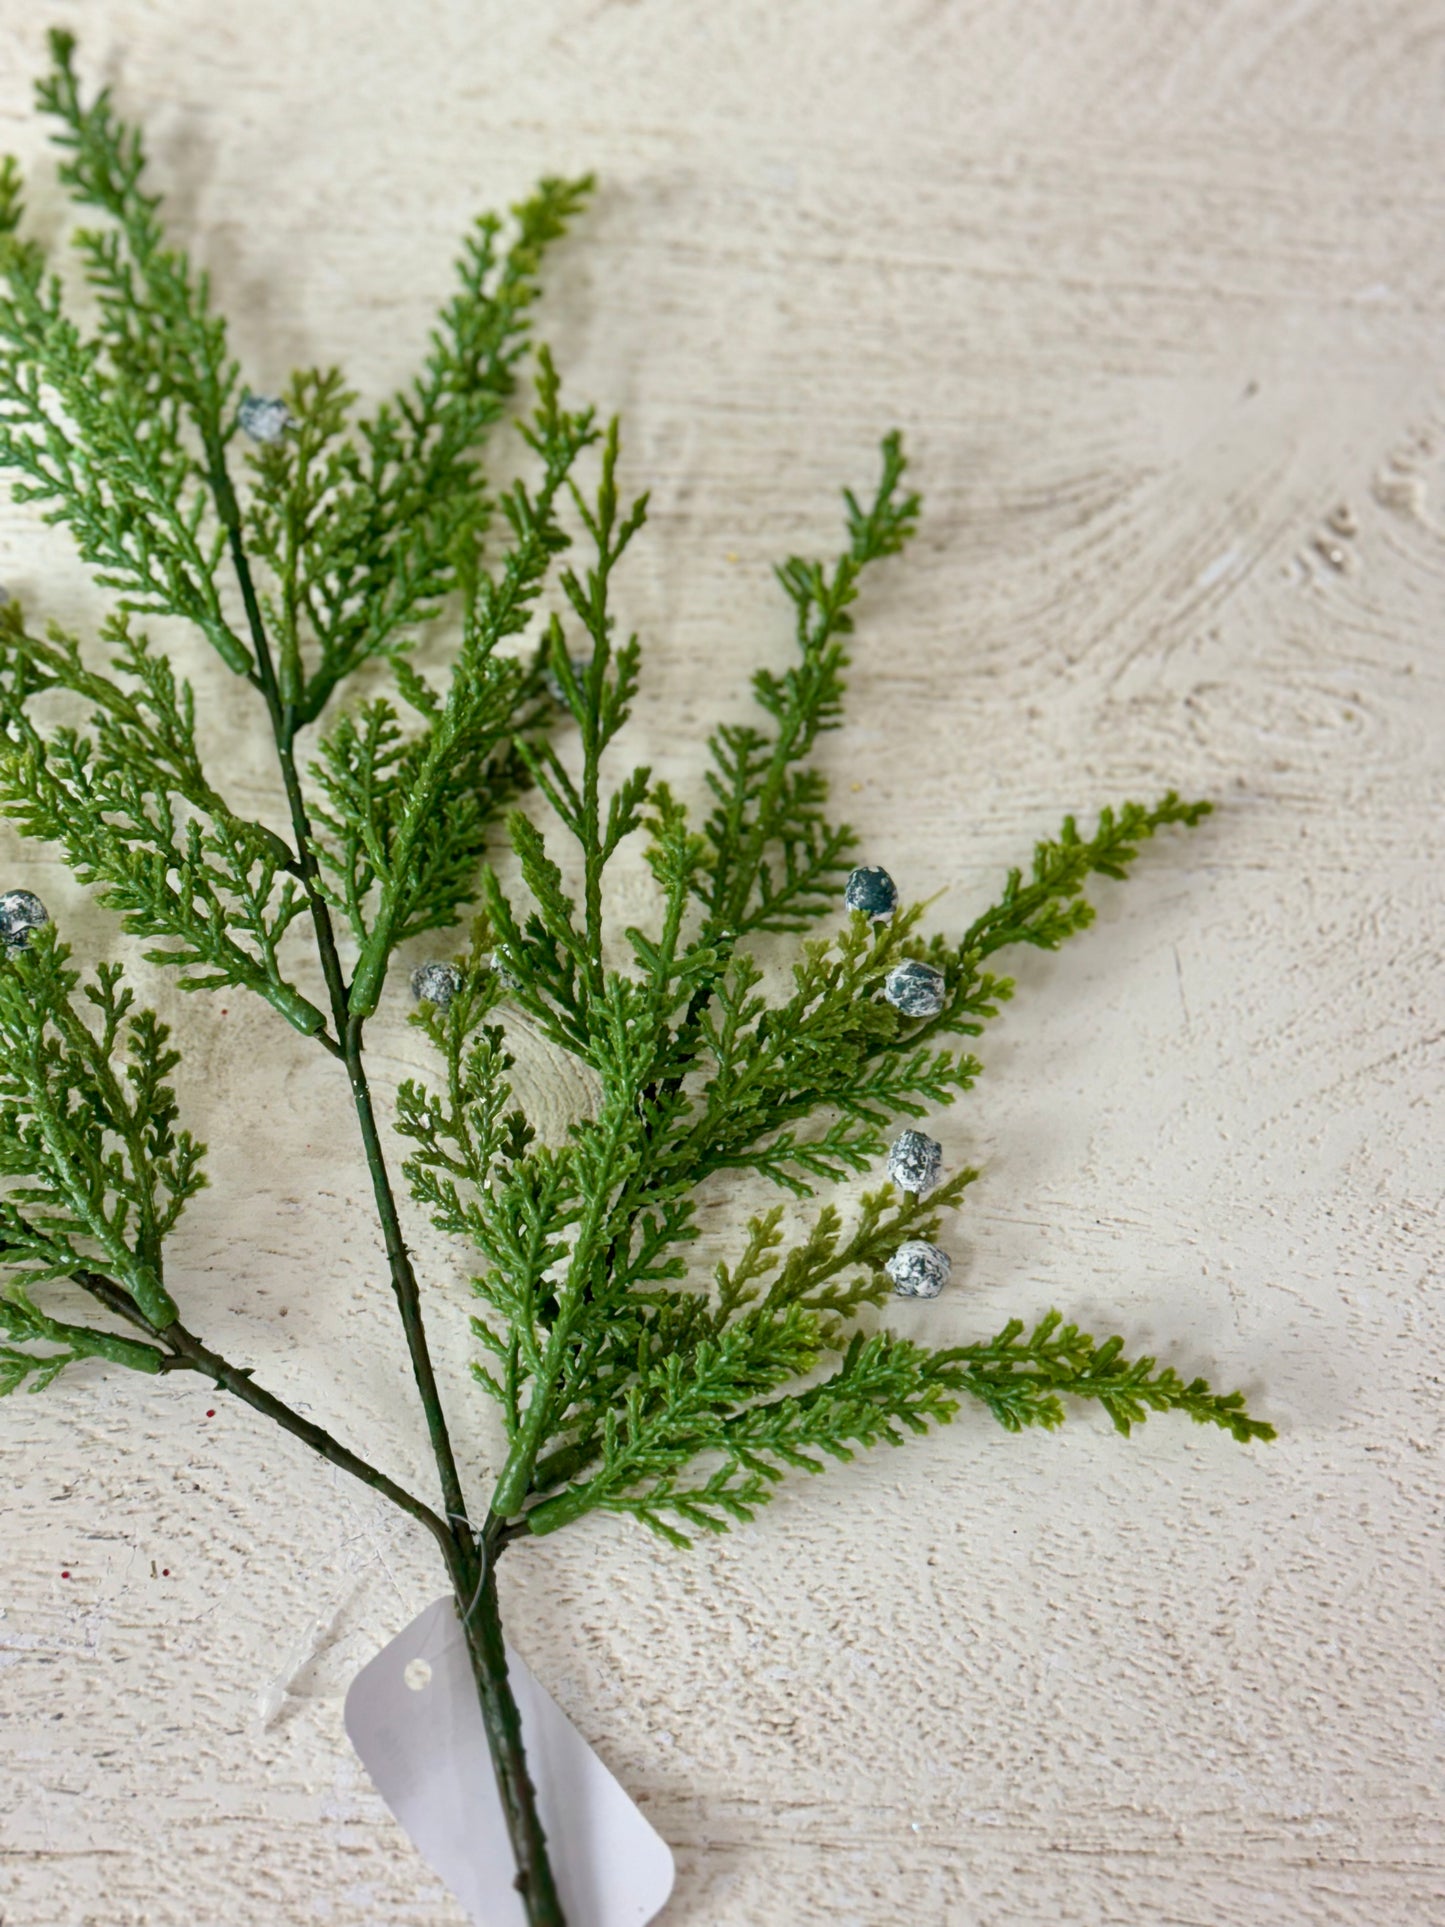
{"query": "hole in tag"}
(417, 1674)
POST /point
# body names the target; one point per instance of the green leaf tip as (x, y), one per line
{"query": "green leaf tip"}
(21, 1319)
(1023, 1378)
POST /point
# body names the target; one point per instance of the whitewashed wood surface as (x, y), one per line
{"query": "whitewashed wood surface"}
(1156, 293)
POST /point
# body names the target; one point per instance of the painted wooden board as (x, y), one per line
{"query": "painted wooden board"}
(1156, 294)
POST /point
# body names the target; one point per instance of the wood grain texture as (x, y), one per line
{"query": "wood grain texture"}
(1156, 293)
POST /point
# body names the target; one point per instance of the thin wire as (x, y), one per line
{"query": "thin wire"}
(482, 1580)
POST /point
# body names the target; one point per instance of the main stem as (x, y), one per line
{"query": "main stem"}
(471, 1562)
(348, 1029)
(473, 1572)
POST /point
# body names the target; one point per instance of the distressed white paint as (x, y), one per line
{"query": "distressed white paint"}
(1148, 287)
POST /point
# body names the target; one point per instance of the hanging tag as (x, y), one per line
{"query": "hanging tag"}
(412, 1715)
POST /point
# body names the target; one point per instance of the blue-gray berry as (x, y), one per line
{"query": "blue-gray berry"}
(918, 1270)
(871, 891)
(20, 913)
(915, 988)
(265, 418)
(436, 983)
(915, 1162)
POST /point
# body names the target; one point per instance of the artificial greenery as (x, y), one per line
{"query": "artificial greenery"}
(625, 1378)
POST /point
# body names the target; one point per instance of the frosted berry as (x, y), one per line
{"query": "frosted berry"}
(20, 913)
(265, 418)
(915, 1162)
(871, 892)
(918, 1270)
(915, 988)
(436, 983)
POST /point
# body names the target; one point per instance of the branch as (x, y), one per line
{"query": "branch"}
(188, 1353)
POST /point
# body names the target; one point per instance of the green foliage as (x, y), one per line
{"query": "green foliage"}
(117, 432)
(740, 1035)
(97, 1172)
(133, 812)
(21, 1319)
(407, 816)
(351, 539)
(1023, 1377)
(367, 533)
(616, 1370)
(776, 863)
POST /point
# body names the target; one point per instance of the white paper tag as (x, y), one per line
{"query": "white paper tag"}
(412, 1715)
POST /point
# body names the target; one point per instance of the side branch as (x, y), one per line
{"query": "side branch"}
(188, 1353)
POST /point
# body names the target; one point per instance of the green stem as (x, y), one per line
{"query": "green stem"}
(473, 1571)
(187, 1350)
(348, 1028)
(403, 1278)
